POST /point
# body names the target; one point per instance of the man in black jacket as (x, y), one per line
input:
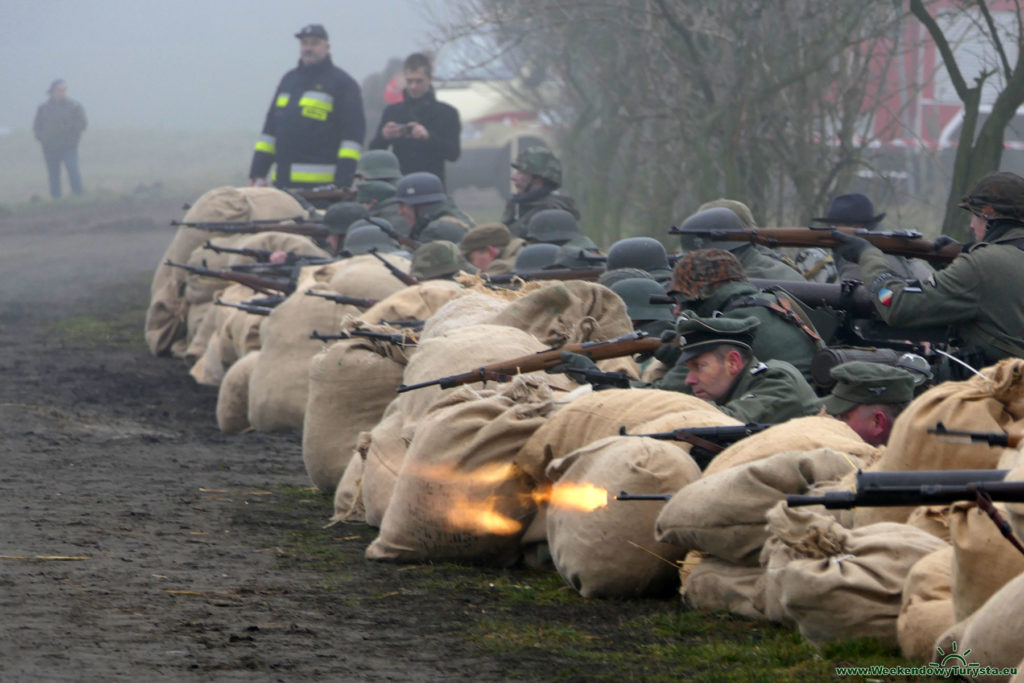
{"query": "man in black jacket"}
(422, 132)
(315, 128)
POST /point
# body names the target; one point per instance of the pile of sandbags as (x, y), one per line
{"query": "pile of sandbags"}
(458, 495)
(610, 551)
(926, 608)
(165, 327)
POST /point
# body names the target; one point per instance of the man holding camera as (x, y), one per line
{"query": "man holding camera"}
(422, 132)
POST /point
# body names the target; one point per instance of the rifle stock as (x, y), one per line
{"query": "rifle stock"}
(356, 301)
(264, 285)
(248, 308)
(899, 242)
(261, 255)
(705, 442)
(405, 278)
(628, 344)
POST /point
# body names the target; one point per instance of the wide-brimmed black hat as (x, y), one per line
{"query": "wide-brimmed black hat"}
(851, 208)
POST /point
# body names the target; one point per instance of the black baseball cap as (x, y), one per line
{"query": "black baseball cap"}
(312, 31)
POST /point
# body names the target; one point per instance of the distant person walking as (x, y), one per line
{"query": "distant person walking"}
(58, 126)
(314, 129)
(421, 131)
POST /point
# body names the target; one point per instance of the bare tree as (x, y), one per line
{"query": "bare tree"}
(978, 151)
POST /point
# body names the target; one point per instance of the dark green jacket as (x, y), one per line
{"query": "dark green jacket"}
(979, 294)
(772, 392)
(762, 264)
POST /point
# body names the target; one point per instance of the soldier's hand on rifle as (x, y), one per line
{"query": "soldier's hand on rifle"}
(278, 256)
(850, 247)
(668, 353)
(573, 361)
(944, 241)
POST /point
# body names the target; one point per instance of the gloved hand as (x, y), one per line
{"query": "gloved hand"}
(668, 353)
(850, 247)
(945, 240)
(573, 361)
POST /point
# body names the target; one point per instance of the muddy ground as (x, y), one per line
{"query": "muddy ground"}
(140, 543)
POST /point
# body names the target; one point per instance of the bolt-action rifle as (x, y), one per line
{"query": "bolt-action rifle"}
(411, 324)
(999, 439)
(504, 371)
(405, 278)
(356, 301)
(896, 242)
(706, 442)
(390, 231)
(248, 308)
(261, 255)
(264, 285)
(405, 340)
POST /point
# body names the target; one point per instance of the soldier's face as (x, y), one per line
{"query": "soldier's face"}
(520, 180)
(483, 257)
(417, 82)
(870, 423)
(59, 92)
(313, 50)
(711, 374)
(979, 225)
(407, 212)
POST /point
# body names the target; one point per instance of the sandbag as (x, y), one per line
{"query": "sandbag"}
(596, 415)
(470, 309)
(992, 634)
(279, 385)
(164, 328)
(926, 610)
(1015, 511)
(418, 302)
(799, 434)
(460, 350)
(382, 450)
(838, 583)
(708, 417)
(350, 385)
(932, 518)
(717, 585)
(723, 514)
(458, 495)
(364, 276)
(216, 357)
(596, 551)
(568, 312)
(233, 396)
(348, 497)
(991, 403)
(983, 561)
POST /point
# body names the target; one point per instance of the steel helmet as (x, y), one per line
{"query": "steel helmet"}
(363, 236)
(555, 226)
(378, 164)
(536, 257)
(711, 219)
(420, 188)
(539, 161)
(645, 253)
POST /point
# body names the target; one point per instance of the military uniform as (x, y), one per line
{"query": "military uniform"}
(978, 294)
(540, 162)
(761, 263)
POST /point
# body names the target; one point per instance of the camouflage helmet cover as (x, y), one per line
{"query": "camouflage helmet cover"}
(718, 218)
(438, 259)
(699, 273)
(1002, 190)
(539, 161)
(378, 164)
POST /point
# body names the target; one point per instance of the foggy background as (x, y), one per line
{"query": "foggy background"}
(185, 77)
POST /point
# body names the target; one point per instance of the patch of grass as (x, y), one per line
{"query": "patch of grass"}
(121, 330)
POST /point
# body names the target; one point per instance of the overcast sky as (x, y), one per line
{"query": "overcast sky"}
(186, 64)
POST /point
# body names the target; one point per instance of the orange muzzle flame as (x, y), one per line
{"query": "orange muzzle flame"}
(481, 517)
(572, 496)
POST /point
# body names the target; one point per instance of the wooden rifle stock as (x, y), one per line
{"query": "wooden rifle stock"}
(628, 344)
(264, 285)
(356, 301)
(898, 242)
(406, 279)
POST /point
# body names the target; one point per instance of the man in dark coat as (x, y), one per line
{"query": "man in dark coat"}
(58, 126)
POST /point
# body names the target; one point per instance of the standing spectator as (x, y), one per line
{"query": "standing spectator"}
(315, 127)
(58, 126)
(422, 132)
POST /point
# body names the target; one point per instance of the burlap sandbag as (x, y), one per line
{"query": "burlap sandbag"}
(461, 350)
(1015, 511)
(932, 518)
(472, 308)
(213, 360)
(926, 610)
(720, 586)
(983, 561)
(723, 514)
(279, 385)
(992, 633)
(364, 276)
(233, 396)
(993, 403)
(382, 450)
(272, 240)
(418, 302)
(596, 551)
(350, 385)
(165, 317)
(596, 415)
(800, 434)
(348, 497)
(839, 583)
(568, 312)
(458, 495)
(201, 289)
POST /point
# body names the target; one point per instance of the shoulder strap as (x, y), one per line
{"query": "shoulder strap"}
(787, 308)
